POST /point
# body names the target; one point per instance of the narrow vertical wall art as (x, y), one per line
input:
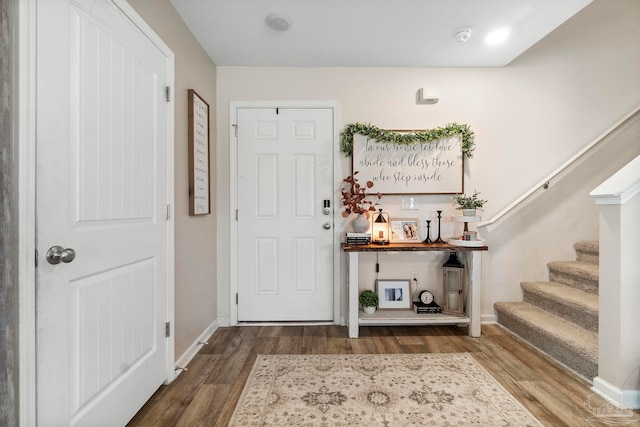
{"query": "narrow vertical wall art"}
(199, 192)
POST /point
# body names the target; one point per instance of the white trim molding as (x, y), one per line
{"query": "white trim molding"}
(624, 399)
(621, 187)
(488, 319)
(195, 347)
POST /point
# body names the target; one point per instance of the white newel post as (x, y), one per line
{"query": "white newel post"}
(618, 200)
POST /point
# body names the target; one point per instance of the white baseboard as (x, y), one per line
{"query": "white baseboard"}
(626, 399)
(488, 318)
(194, 348)
(224, 321)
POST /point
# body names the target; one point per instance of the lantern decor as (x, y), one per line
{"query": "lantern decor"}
(453, 285)
(380, 228)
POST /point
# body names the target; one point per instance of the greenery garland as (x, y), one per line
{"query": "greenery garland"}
(415, 137)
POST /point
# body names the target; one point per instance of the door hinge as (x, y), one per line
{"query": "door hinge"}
(235, 127)
(168, 213)
(236, 214)
(36, 257)
(236, 298)
(167, 329)
(167, 93)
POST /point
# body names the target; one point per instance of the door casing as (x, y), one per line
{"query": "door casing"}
(233, 205)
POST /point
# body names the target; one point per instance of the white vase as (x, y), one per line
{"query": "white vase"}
(369, 310)
(360, 224)
(468, 212)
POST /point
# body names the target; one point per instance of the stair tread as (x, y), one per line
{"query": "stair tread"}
(583, 341)
(565, 294)
(578, 268)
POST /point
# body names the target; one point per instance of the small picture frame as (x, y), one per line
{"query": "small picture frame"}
(393, 294)
(405, 230)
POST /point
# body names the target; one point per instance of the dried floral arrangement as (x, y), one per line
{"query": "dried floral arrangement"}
(354, 196)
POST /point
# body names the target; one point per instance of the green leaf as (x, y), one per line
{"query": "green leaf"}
(417, 137)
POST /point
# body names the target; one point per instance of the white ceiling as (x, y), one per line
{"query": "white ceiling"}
(370, 33)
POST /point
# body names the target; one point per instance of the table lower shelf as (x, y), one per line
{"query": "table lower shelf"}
(408, 317)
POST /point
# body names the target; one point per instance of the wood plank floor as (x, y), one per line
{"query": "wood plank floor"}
(207, 393)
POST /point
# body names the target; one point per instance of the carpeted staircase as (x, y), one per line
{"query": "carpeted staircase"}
(560, 317)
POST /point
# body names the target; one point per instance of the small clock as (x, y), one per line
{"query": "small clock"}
(426, 297)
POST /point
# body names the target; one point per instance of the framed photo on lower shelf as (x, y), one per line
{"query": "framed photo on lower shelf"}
(405, 230)
(394, 294)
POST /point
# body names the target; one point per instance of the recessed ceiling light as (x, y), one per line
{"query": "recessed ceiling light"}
(278, 21)
(462, 35)
(497, 36)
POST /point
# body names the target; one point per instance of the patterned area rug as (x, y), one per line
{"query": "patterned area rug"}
(375, 390)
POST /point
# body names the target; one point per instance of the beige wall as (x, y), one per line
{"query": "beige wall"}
(529, 117)
(195, 237)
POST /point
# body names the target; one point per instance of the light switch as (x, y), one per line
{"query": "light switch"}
(410, 203)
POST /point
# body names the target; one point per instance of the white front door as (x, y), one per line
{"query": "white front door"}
(285, 240)
(103, 181)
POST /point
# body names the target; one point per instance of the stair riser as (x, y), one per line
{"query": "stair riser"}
(588, 252)
(587, 285)
(554, 348)
(587, 320)
(587, 257)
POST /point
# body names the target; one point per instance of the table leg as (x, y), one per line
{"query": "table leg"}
(474, 303)
(352, 292)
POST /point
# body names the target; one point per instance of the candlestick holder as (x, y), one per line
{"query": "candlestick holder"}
(439, 239)
(428, 239)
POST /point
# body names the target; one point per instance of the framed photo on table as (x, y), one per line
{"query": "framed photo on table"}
(393, 294)
(199, 191)
(405, 230)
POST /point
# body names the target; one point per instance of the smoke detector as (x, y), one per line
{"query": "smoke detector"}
(278, 21)
(462, 35)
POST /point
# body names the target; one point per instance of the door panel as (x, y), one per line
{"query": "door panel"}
(304, 185)
(285, 255)
(101, 190)
(114, 327)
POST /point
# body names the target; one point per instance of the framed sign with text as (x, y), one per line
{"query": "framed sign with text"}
(199, 192)
(434, 167)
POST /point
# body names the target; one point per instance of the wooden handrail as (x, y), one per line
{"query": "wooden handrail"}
(544, 183)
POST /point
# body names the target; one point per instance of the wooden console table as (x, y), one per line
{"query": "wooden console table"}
(473, 264)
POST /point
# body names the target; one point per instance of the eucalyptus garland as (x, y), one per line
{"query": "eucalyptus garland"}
(415, 137)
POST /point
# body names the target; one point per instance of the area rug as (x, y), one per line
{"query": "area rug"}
(375, 390)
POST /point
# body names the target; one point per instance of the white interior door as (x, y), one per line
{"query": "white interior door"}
(285, 240)
(103, 184)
